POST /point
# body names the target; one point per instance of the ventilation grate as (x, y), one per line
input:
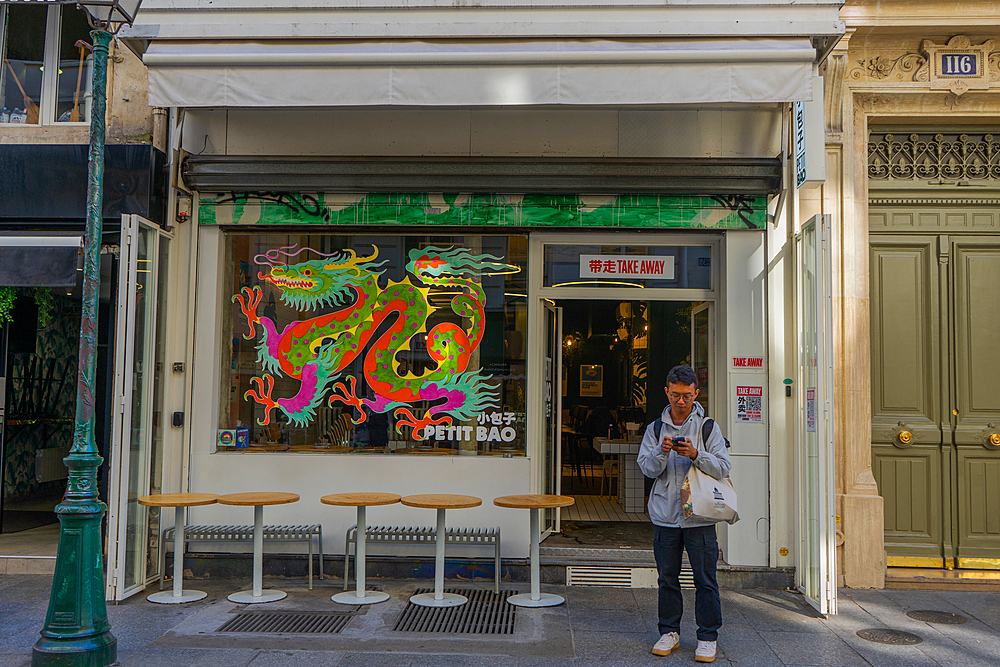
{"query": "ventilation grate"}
(289, 622)
(621, 577)
(486, 613)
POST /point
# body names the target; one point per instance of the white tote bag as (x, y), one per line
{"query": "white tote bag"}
(709, 499)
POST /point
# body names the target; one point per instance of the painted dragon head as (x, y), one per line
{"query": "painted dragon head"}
(314, 283)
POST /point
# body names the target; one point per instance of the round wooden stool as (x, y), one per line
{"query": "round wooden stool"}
(440, 502)
(178, 501)
(258, 500)
(533, 503)
(362, 501)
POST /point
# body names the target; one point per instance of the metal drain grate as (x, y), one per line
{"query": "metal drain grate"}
(486, 613)
(289, 622)
(887, 636)
(943, 617)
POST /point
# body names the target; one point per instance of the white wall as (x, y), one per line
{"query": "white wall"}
(742, 326)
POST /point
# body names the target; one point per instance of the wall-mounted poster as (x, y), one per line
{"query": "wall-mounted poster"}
(592, 380)
(749, 405)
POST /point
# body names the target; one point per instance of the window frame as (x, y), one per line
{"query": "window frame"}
(48, 96)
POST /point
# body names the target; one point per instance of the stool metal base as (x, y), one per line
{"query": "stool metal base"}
(167, 597)
(428, 600)
(544, 600)
(247, 597)
(351, 597)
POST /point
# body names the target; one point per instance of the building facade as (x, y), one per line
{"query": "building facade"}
(45, 95)
(911, 120)
(456, 249)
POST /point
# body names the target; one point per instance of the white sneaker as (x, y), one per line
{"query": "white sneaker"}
(667, 643)
(705, 652)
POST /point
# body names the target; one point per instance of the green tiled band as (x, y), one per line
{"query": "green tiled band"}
(535, 210)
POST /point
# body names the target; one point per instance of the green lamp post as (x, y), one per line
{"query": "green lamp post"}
(76, 629)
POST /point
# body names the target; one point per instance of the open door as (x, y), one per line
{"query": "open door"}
(552, 388)
(135, 468)
(702, 349)
(817, 567)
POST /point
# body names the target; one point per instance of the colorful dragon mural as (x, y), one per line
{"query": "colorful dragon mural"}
(316, 351)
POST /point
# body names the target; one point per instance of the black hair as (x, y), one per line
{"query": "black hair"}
(682, 374)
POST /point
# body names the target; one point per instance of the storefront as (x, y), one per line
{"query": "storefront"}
(475, 262)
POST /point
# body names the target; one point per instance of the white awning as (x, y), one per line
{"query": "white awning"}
(478, 72)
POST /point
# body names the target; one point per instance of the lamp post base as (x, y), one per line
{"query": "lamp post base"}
(93, 651)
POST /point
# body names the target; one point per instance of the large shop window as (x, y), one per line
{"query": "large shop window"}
(47, 66)
(406, 344)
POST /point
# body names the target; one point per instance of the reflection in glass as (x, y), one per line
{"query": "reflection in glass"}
(21, 70)
(387, 344)
(76, 62)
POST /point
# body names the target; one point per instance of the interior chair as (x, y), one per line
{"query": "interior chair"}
(609, 469)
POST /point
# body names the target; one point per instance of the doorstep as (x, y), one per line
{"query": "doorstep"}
(941, 579)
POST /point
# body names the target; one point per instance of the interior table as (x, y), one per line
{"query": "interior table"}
(440, 502)
(178, 501)
(533, 503)
(258, 500)
(362, 501)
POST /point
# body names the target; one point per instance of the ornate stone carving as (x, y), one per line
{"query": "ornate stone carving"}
(909, 66)
(959, 66)
(925, 156)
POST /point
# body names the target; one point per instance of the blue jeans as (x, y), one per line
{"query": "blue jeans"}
(703, 552)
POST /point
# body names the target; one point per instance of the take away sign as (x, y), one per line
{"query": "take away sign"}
(613, 266)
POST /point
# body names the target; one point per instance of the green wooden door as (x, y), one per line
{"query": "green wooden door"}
(909, 460)
(975, 272)
(935, 405)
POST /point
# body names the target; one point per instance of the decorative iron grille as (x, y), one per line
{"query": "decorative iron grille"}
(925, 156)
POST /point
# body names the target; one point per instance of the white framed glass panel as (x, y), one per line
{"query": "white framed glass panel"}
(616, 266)
(552, 413)
(817, 554)
(136, 465)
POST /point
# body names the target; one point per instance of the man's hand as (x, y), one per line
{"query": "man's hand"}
(686, 448)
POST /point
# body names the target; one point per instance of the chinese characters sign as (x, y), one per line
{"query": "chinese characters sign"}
(749, 405)
(613, 266)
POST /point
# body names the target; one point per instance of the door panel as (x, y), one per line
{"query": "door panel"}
(975, 276)
(906, 386)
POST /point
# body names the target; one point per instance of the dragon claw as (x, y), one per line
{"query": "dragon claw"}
(249, 298)
(262, 394)
(349, 397)
(406, 418)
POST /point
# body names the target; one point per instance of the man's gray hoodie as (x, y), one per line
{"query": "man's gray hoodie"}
(669, 470)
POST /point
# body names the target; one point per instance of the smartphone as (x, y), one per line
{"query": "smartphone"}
(679, 440)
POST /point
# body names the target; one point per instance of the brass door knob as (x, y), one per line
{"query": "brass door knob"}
(995, 439)
(905, 437)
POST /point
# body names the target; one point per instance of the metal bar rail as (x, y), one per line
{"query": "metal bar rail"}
(426, 535)
(232, 534)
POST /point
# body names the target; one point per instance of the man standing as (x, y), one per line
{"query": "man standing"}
(667, 456)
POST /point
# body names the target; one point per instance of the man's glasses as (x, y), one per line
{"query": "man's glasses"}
(686, 398)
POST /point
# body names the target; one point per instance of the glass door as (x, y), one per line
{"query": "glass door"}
(135, 468)
(552, 397)
(701, 352)
(817, 553)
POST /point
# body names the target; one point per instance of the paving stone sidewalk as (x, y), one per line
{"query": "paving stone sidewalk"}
(596, 626)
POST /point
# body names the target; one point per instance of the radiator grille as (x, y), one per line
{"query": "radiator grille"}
(486, 613)
(289, 622)
(621, 577)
